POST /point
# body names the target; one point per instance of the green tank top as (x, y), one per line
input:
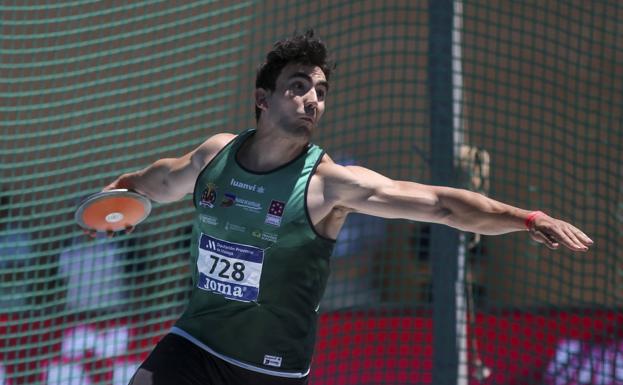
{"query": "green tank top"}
(259, 267)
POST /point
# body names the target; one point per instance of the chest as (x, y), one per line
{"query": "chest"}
(253, 207)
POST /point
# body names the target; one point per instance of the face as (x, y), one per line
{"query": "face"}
(297, 103)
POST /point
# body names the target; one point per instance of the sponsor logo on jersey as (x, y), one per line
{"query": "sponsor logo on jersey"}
(272, 361)
(247, 186)
(208, 196)
(271, 237)
(248, 205)
(228, 200)
(228, 290)
(234, 227)
(208, 219)
(275, 213)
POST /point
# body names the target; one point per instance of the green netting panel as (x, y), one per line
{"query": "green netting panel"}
(542, 96)
(91, 89)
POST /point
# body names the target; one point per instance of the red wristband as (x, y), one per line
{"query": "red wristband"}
(531, 218)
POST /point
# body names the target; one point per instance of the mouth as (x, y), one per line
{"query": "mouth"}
(308, 118)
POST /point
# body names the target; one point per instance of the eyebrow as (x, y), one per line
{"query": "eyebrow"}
(308, 78)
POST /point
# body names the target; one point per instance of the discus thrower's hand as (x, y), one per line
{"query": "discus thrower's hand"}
(92, 234)
(119, 183)
(553, 232)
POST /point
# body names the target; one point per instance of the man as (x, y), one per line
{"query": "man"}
(269, 206)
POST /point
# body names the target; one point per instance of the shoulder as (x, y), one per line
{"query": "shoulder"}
(217, 142)
(339, 183)
(203, 154)
(330, 171)
(348, 175)
(349, 185)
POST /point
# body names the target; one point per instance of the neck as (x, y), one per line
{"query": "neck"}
(267, 150)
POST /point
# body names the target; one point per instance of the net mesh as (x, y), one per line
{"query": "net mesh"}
(92, 89)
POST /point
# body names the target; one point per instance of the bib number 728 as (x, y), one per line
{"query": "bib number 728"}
(230, 269)
(226, 269)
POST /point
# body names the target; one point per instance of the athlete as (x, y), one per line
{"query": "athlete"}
(269, 205)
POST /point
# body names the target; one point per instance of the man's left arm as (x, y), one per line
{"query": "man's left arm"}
(362, 190)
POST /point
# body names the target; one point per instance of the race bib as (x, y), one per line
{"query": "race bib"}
(230, 269)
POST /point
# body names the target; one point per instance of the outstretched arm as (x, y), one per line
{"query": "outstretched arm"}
(170, 179)
(362, 190)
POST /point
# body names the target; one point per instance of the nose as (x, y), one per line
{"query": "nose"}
(311, 102)
(311, 107)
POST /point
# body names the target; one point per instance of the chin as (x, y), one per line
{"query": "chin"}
(300, 131)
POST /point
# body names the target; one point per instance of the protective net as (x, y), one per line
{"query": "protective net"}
(91, 89)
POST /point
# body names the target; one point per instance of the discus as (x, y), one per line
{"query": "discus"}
(112, 210)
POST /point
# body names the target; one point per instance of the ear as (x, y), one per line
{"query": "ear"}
(261, 98)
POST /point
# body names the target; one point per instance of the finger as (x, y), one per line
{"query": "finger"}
(566, 236)
(536, 237)
(577, 243)
(583, 237)
(548, 241)
(551, 242)
(112, 186)
(89, 233)
(561, 234)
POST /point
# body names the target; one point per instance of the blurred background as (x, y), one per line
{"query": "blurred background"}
(91, 89)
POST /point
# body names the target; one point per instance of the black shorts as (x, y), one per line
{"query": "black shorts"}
(177, 361)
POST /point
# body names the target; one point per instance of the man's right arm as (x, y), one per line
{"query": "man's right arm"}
(170, 179)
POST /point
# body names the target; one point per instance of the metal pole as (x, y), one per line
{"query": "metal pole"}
(444, 241)
(459, 139)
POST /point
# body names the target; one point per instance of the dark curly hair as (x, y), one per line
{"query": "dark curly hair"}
(300, 48)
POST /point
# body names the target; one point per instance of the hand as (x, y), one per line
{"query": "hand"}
(123, 182)
(554, 232)
(92, 234)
